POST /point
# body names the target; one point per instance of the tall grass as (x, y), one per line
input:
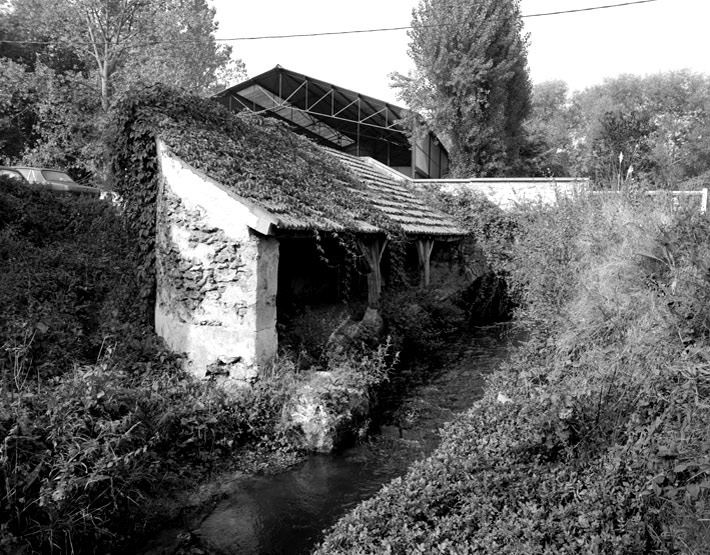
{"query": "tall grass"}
(594, 438)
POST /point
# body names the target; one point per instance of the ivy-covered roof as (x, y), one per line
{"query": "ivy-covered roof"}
(302, 185)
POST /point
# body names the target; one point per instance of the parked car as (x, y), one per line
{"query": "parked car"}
(55, 180)
(13, 174)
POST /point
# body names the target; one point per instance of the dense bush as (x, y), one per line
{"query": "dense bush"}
(419, 321)
(594, 437)
(492, 230)
(66, 276)
(95, 416)
(488, 298)
(501, 482)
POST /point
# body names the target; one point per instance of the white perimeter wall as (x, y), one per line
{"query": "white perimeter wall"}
(506, 193)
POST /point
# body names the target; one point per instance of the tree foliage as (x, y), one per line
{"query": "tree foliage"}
(127, 41)
(651, 129)
(17, 114)
(80, 55)
(547, 152)
(471, 81)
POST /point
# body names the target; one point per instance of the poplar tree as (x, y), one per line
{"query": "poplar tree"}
(471, 81)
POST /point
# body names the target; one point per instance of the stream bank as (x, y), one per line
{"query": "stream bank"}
(287, 513)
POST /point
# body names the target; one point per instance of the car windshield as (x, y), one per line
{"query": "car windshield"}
(12, 174)
(53, 175)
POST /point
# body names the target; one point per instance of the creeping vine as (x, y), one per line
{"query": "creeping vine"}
(259, 158)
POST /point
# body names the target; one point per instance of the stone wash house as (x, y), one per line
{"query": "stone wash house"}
(235, 208)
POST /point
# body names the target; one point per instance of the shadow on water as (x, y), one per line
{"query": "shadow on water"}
(288, 513)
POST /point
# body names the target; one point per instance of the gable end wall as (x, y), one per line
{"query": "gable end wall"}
(216, 277)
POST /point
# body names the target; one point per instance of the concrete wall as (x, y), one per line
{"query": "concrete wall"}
(216, 277)
(506, 193)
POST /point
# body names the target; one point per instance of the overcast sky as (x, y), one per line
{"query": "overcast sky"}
(579, 48)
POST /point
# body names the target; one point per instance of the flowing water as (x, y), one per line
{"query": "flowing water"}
(288, 513)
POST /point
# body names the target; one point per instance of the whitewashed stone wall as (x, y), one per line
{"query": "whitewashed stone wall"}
(216, 276)
(506, 193)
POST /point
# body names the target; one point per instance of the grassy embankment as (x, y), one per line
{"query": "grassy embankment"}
(595, 437)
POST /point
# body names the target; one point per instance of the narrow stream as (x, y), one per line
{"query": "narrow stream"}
(287, 514)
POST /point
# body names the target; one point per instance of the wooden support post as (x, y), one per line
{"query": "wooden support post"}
(424, 248)
(372, 250)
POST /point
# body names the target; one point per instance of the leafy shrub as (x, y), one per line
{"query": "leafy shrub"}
(66, 277)
(418, 321)
(305, 333)
(492, 229)
(82, 452)
(486, 300)
(594, 437)
(492, 234)
(497, 484)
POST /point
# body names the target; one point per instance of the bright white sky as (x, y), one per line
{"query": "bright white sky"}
(579, 48)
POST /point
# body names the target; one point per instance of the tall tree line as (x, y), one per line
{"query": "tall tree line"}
(471, 86)
(651, 130)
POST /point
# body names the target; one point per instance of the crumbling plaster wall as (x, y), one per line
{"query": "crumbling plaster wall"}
(216, 277)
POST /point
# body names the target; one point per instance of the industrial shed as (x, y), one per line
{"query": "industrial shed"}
(343, 120)
(225, 220)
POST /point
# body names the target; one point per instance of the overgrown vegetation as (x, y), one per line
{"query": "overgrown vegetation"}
(647, 130)
(65, 63)
(97, 419)
(593, 439)
(258, 158)
(484, 253)
(478, 102)
(95, 416)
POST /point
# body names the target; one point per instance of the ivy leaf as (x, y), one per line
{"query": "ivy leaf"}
(693, 490)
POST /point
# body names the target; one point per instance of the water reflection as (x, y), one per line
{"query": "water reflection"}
(286, 514)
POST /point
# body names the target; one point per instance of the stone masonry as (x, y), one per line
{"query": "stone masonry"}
(216, 277)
